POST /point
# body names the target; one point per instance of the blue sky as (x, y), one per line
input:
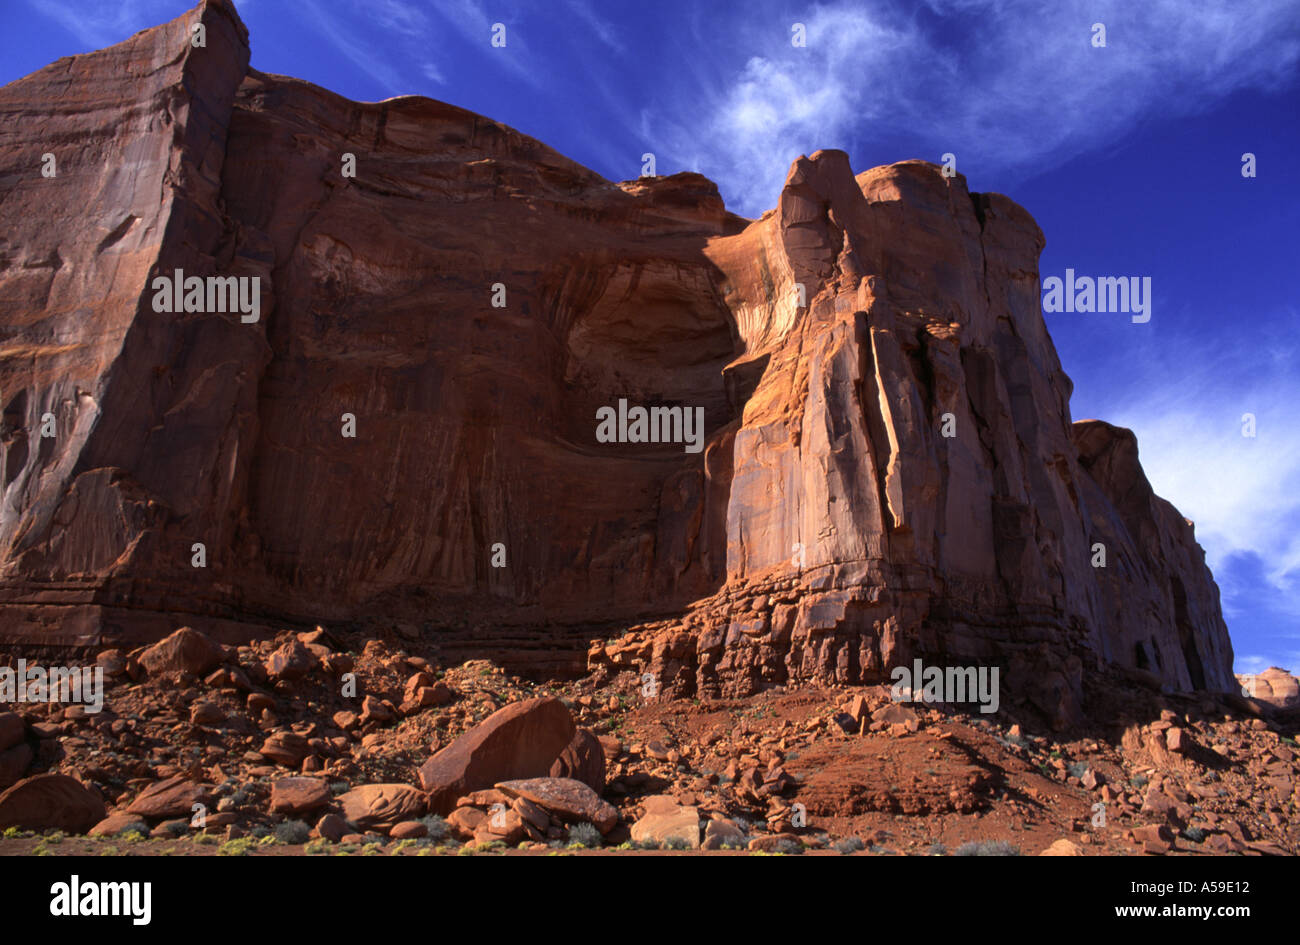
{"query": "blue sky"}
(1129, 157)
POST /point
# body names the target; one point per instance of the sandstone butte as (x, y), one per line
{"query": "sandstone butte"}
(827, 532)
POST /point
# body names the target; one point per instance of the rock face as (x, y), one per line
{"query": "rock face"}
(1273, 686)
(888, 469)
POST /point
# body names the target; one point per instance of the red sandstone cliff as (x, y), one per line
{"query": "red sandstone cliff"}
(829, 530)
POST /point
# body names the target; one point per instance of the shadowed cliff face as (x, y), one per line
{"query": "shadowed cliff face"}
(889, 467)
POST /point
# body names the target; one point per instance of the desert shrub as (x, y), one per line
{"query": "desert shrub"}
(788, 847)
(988, 848)
(292, 832)
(1077, 769)
(675, 843)
(937, 849)
(1194, 834)
(436, 827)
(849, 845)
(585, 835)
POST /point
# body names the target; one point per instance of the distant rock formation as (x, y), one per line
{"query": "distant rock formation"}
(1274, 686)
(889, 468)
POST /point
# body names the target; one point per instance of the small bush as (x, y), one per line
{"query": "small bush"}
(317, 847)
(988, 848)
(675, 843)
(1077, 769)
(258, 831)
(292, 832)
(585, 835)
(436, 827)
(1194, 834)
(788, 847)
(1139, 781)
(849, 845)
(176, 828)
(937, 849)
(241, 847)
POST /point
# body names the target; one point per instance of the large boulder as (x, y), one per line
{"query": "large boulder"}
(381, 805)
(566, 799)
(185, 651)
(291, 661)
(171, 797)
(521, 740)
(299, 795)
(50, 802)
(664, 819)
(583, 759)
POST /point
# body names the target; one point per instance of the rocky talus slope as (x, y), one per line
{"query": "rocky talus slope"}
(420, 758)
(889, 469)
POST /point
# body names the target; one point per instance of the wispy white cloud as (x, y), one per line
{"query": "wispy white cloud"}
(103, 24)
(1242, 492)
(325, 19)
(470, 18)
(1022, 88)
(601, 28)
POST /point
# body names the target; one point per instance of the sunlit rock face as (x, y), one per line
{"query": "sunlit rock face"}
(887, 467)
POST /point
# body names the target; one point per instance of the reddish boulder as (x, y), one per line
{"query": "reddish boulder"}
(381, 805)
(50, 802)
(408, 830)
(173, 797)
(286, 748)
(332, 827)
(299, 795)
(185, 651)
(565, 799)
(291, 661)
(113, 824)
(583, 759)
(521, 740)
